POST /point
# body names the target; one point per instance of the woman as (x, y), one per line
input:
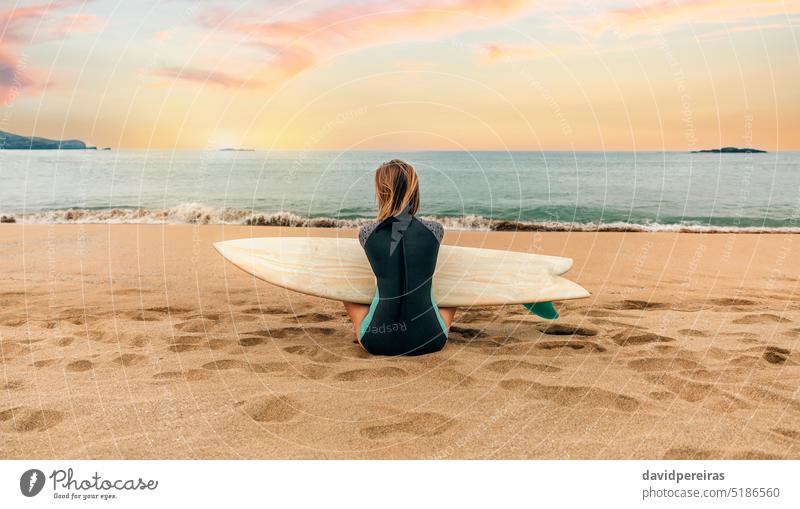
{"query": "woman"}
(403, 318)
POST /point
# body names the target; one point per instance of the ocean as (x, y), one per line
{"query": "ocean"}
(565, 191)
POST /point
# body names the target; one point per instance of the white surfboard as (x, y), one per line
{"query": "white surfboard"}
(337, 268)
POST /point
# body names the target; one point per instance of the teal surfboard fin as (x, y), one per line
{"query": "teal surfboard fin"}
(544, 309)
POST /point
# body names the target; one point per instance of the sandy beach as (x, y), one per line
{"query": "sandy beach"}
(140, 341)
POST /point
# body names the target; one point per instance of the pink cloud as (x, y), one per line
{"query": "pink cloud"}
(498, 52)
(298, 44)
(75, 24)
(165, 35)
(15, 21)
(666, 15)
(29, 25)
(11, 78)
(205, 76)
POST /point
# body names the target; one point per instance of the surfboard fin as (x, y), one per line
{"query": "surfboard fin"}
(544, 309)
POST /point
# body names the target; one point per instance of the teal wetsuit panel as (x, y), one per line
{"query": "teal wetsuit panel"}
(438, 314)
(368, 319)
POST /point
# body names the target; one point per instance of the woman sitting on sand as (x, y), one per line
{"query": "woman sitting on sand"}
(403, 318)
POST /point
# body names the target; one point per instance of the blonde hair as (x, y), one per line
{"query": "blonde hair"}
(396, 188)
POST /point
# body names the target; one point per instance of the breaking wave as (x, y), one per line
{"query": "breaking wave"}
(198, 213)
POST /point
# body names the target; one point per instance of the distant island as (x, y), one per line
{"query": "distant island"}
(730, 150)
(10, 141)
(237, 150)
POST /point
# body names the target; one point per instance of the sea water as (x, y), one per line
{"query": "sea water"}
(470, 190)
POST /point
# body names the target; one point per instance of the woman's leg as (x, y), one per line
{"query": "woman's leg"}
(447, 315)
(357, 313)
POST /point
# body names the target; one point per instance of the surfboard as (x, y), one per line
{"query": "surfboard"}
(337, 268)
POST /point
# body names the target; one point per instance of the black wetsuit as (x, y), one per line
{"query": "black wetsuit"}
(403, 318)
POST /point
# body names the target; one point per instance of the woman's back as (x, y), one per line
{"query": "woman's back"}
(403, 318)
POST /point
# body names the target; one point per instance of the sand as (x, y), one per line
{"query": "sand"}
(139, 341)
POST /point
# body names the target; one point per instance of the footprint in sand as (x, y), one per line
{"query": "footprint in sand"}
(571, 345)
(129, 359)
(761, 318)
(276, 333)
(24, 419)
(451, 376)
(184, 347)
(689, 453)
(190, 375)
(626, 339)
(289, 332)
(418, 424)
(94, 335)
(732, 302)
(45, 362)
(197, 342)
(639, 305)
(225, 364)
(357, 375)
(314, 317)
(170, 310)
(662, 395)
(266, 311)
(133, 339)
(78, 366)
(483, 344)
(140, 315)
(776, 355)
(13, 321)
(467, 332)
(128, 291)
(314, 353)
(270, 408)
(661, 364)
(12, 349)
(687, 390)
(77, 316)
(314, 371)
(66, 341)
(555, 329)
(196, 325)
(693, 333)
(471, 316)
(507, 365)
(12, 385)
(252, 341)
(788, 433)
(228, 364)
(566, 395)
(698, 392)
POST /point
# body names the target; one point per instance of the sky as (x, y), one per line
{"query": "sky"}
(404, 74)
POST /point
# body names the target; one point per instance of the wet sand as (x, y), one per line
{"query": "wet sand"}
(140, 341)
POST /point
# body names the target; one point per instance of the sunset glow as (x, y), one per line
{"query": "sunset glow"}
(436, 74)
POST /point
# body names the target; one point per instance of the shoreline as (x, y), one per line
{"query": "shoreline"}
(122, 342)
(201, 215)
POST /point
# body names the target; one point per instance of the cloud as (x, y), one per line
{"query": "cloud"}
(205, 76)
(12, 80)
(165, 35)
(669, 15)
(30, 25)
(727, 32)
(16, 21)
(499, 52)
(74, 24)
(296, 45)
